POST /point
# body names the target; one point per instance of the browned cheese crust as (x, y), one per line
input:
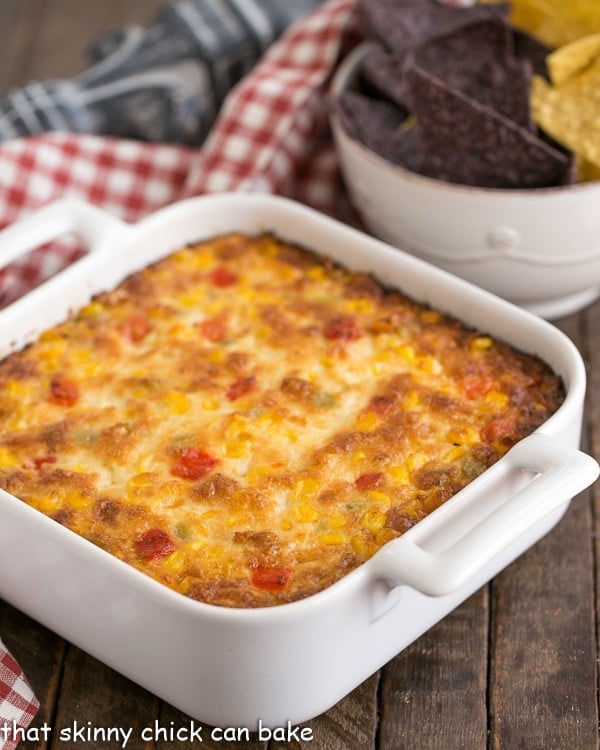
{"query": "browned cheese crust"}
(246, 422)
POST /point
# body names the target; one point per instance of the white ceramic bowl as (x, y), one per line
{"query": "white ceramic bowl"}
(538, 248)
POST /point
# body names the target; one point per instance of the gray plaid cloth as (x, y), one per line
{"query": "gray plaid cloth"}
(164, 83)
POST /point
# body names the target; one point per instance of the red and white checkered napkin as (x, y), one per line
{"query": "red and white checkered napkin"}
(271, 136)
(18, 704)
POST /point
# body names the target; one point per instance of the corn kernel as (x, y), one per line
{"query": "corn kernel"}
(373, 520)
(410, 400)
(337, 522)
(316, 273)
(257, 473)
(334, 538)
(210, 404)
(362, 305)
(496, 399)
(381, 498)
(202, 259)
(216, 355)
(384, 536)
(7, 458)
(209, 514)
(481, 344)
(415, 461)
(287, 273)
(430, 365)
(177, 402)
(173, 493)
(399, 474)
(16, 388)
(358, 455)
(93, 369)
(183, 256)
(48, 504)
(197, 544)
(93, 308)
(407, 352)
(144, 479)
(304, 513)
(431, 316)
(285, 525)
(77, 499)
(236, 448)
(367, 421)
(193, 298)
(50, 336)
(175, 562)
(235, 520)
(306, 487)
(455, 454)
(466, 436)
(362, 547)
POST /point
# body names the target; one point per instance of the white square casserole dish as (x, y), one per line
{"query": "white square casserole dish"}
(231, 667)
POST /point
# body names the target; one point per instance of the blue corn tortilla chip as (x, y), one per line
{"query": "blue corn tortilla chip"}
(402, 24)
(468, 143)
(531, 49)
(478, 60)
(380, 126)
(368, 120)
(384, 73)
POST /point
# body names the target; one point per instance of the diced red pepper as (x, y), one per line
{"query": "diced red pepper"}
(153, 544)
(241, 387)
(136, 327)
(39, 461)
(382, 405)
(214, 329)
(64, 391)
(222, 277)
(193, 463)
(270, 578)
(499, 428)
(476, 386)
(343, 329)
(368, 481)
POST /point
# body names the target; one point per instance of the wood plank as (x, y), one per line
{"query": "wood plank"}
(40, 654)
(592, 337)
(172, 717)
(433, 695)
(543, 682)
(20, 22)
(349, 725)
(95, 698)
(67, 32)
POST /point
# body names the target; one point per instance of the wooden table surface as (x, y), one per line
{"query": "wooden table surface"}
(513, 667)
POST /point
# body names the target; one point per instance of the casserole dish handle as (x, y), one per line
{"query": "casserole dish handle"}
(64, 216)
(562, 472)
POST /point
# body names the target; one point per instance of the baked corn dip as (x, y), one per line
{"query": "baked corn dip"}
(246, 422)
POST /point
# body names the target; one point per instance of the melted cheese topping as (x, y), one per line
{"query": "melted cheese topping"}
(246, 422)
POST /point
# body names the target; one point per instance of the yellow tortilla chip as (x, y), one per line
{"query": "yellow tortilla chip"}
(557, 22)
(570, 113)
(587, 171)
(572, 59)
